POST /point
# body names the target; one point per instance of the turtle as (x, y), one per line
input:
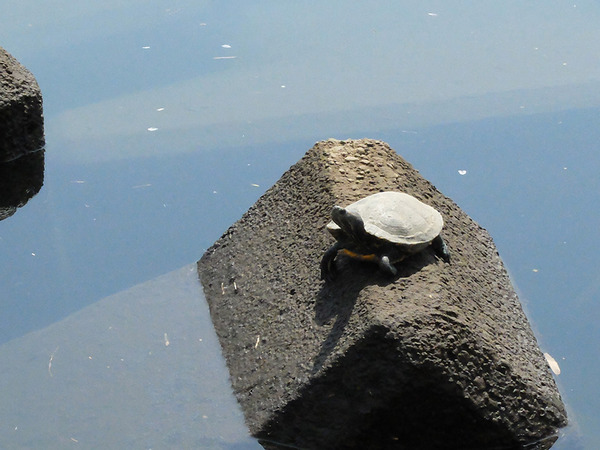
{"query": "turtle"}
(383, 228)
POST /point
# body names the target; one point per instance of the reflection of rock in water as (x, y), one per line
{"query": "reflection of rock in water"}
(21, 135)
(20, 180)
(441, 356)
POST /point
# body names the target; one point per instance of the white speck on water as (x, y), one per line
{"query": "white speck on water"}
(432, 14)
(564, 64)
(462, 172)
(226, 46)
(160, 109)
(254, 185)
(147, 47)
(535, 270)
(32, 254)
(152, 129)
(224, 57)
(283, 85)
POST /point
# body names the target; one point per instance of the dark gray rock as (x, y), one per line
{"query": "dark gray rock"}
(21, 116)
(442, 356)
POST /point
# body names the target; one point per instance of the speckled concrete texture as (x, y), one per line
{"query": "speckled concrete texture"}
(441, 356)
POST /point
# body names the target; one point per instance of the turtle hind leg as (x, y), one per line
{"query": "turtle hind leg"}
(382, 261)
(386, 266)
(441, 249)
(328, 269)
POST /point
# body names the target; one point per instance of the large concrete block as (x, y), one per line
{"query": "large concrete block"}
(441, 356)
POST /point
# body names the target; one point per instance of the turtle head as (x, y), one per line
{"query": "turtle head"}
(350, 223)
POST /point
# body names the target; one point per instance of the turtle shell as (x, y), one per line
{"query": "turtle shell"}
(396, 217)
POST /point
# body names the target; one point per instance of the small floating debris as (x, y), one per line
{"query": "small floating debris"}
(432, 14)
(226, 46)
(147, 47)
(552, 363)
(152, 129)
(50, 362)
(254, 185)
(462, 172)
(224, 57)
(160, 109)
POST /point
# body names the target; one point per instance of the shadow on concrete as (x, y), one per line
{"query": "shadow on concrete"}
(337, 298)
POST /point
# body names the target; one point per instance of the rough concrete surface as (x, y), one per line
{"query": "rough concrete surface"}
(21, 116)
(441, 356)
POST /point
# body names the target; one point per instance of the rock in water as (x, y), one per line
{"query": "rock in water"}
(441, 356)
(21, 136)
(21, 116)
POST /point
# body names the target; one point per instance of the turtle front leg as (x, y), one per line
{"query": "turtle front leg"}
(328, 269)
(441, 249)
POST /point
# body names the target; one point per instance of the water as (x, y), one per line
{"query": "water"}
(166, 120)
(138, 369)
